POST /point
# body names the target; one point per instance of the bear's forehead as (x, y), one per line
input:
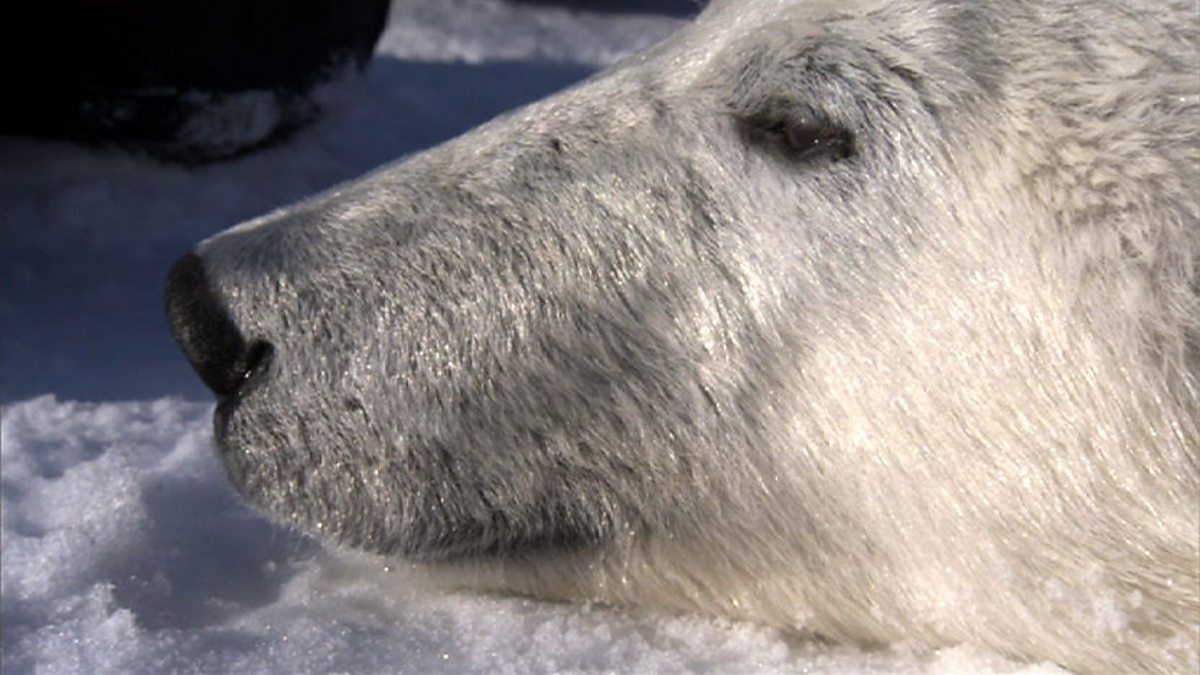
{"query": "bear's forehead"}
(734, 36)
(740, 48)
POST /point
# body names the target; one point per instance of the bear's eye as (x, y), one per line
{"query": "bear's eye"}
(806, 139)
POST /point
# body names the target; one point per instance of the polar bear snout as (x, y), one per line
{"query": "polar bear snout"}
(213, 344)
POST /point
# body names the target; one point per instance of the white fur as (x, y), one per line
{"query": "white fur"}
(621, 346)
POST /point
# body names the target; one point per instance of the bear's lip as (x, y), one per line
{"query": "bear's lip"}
(259, 359)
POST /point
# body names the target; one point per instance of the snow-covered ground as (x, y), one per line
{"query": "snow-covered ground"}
(124, 549)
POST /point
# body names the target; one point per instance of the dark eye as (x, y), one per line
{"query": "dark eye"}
(805, 139)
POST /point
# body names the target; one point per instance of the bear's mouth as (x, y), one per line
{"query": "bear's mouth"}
(252, 375)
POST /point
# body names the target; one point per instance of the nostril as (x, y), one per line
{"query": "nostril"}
(202, 326)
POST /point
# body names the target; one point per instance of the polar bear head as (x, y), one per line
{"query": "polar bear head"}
(836, 315)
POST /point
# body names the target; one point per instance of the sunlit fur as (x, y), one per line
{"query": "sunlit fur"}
(623, 345)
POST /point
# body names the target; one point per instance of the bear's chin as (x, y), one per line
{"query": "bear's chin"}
(336, 512)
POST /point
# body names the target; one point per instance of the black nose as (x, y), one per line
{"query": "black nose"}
(214, 345)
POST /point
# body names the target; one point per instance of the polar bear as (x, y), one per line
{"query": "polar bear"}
(876, 320)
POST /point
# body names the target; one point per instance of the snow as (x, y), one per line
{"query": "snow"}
(125, 550)
(124, 547)
(496, 30)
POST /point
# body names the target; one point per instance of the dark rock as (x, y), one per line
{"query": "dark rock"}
(671, 7)
(191, 80)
